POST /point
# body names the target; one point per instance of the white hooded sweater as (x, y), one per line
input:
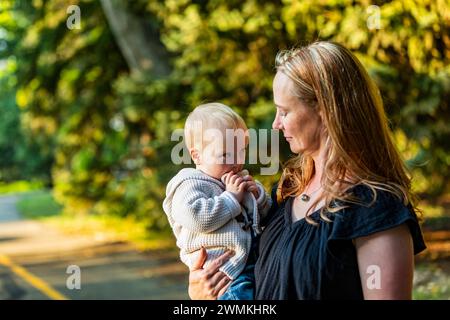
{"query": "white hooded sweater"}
(202, 214)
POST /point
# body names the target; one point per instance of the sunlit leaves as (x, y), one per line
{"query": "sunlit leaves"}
(112, 129)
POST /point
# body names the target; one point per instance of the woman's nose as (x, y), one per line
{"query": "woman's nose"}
(276, 124)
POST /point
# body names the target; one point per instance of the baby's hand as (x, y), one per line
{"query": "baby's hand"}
(234, 184)
(251, 185)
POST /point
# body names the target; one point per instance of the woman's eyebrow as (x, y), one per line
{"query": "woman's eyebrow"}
(281, 107)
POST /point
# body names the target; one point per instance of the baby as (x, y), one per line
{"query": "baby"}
(217, 205)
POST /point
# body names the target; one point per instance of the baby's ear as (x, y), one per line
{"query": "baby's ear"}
(195, 155)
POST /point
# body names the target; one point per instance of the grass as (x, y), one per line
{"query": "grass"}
(40, 205)
(432, 275)
(431, 282)
(19, 186)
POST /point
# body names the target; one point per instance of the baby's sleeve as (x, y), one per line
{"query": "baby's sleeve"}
(196, 211)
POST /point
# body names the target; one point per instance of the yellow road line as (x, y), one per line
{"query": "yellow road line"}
(36, 282)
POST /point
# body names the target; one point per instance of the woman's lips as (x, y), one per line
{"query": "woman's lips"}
(288, 138)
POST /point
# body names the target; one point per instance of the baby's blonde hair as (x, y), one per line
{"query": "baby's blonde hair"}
(206, 116)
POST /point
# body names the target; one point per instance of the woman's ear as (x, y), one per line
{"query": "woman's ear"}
(195, 155)
(321, 115)
(322, 120)
(323, 130)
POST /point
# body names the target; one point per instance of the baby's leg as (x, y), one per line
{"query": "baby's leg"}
(243, 287)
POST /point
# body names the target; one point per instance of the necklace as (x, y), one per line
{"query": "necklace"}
(305, 197)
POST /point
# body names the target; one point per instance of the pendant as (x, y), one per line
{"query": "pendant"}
(305, 197)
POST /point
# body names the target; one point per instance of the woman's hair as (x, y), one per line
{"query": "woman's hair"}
(206, 116)
(359, 148)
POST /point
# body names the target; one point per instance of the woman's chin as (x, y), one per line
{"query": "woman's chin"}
(294, 148)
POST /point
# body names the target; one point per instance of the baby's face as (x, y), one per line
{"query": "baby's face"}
(217, 158)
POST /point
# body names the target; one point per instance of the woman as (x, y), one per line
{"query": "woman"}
(343, 223)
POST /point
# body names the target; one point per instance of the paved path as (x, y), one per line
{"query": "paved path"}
(34, 260)
(8, 210)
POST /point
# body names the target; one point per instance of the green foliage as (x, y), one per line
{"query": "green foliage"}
(20, 186)
(407, 54)
(431, 282)
(40, 204)
(22, 156)
(109, 129)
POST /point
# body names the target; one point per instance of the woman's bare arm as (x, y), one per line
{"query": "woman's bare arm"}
(386, 264)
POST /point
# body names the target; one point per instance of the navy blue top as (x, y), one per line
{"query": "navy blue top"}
(303, 261)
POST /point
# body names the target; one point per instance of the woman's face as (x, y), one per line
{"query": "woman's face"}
(301, 125)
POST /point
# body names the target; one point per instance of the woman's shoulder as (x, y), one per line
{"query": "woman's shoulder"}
(376, 204)
(376, 210)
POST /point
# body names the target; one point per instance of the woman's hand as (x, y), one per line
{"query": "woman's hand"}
(208, 283)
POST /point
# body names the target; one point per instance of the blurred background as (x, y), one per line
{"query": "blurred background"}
(90, 92)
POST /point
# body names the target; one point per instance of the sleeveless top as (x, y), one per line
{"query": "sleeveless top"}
(303, 261)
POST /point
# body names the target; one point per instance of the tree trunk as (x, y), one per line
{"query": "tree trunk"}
(137, 40)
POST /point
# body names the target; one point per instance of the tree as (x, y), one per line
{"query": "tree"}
(138, 41)
(111, 127)
(23, 156)
(404, 45)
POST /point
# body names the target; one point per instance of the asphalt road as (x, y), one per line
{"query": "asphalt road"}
(39, 262)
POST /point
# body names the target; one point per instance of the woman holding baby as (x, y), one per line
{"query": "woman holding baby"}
(343, 221)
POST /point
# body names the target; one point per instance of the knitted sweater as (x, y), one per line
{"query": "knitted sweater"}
(202, 214)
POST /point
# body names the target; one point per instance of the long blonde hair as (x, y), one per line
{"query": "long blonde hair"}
(329, 78)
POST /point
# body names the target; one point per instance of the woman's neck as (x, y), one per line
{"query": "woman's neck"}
(319, 164)
(319, 158)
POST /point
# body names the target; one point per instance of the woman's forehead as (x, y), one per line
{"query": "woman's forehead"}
(281, 81)
(282, 90)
